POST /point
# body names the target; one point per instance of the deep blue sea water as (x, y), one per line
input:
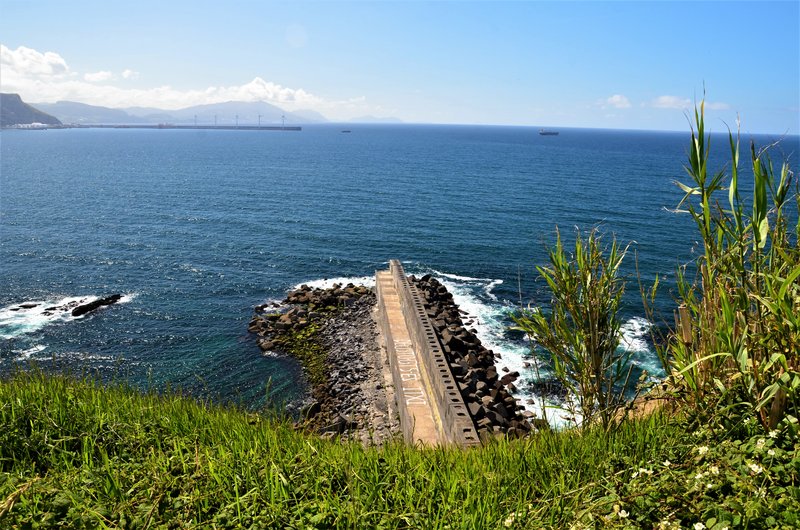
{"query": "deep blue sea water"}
(198, 227)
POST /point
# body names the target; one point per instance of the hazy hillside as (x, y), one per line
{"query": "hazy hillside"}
(81, 113)
(228, 113)
(13, 111)
(231, 112)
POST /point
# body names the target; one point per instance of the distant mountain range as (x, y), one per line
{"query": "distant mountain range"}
(14, 111)
(228, 113)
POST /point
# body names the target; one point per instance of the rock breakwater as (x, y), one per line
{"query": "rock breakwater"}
(485, 390)
(333, 333)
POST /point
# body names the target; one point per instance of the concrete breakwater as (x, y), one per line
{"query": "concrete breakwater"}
(396, 360)
(440, 363)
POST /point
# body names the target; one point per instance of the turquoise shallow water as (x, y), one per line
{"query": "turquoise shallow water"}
(197, 227)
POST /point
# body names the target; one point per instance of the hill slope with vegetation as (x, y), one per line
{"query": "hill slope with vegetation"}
(14, 111)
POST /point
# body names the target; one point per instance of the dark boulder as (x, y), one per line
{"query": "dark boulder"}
(91, 306)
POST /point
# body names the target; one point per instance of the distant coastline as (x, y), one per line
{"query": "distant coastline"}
(37, 126)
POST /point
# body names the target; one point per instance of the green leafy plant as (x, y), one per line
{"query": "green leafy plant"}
(736, 346)
(582, 329)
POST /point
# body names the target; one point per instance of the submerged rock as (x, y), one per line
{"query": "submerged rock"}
(91, 306)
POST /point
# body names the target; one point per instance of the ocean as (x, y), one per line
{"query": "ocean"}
(195, 228)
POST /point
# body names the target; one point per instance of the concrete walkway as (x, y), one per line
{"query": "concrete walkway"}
(420, 419)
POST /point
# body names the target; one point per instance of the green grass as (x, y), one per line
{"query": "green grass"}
(74, 454)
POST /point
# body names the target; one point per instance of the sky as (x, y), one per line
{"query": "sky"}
(628, 65)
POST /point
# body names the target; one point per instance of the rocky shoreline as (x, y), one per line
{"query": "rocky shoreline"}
(486, 392)
(333, 333)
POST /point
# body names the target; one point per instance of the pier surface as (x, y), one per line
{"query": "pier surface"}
(431, 409)
(419, 419)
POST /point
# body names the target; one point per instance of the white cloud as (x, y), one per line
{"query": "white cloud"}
(31, 63)
(675, 102)
(45, 77)
(96, 77)
(717, 106)
(671, 102)
(618, 101)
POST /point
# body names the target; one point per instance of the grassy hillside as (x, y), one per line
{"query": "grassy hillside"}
(74, 454)
(13, 111)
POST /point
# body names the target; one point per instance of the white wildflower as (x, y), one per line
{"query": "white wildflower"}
(773, 434)
(714, 470)
(699, 526)
(771, 452)
(755, 468)
(667, 463)
(623, 514)
(760, 444)
(709, 485)
(703, 449)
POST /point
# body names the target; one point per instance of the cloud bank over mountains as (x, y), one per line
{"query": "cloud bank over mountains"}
(46, 77)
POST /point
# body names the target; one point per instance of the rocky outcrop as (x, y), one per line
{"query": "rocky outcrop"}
(91, 306)
(485, 390)
(333, 333)
(14, 111)
(76, 308)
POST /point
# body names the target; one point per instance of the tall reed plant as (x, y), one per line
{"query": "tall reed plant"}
(582, 329)
(736, 343)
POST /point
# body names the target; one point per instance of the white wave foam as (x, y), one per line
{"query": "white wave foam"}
(28, 317)
(128, 298)
(462, 278)
(490, 287)
(23, 355)
(327, 283)
(633, 333)
(490, 321)
(489, 318)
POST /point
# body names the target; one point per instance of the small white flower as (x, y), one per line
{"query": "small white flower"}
(709, 485)
(771, 452)
(760, 444)
(755, 468)
(623, 514)
(699, 526)
(667, 463)
(773, 434)
(703, 449)
(714, 470)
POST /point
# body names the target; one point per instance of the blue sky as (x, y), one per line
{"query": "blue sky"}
(573, 64)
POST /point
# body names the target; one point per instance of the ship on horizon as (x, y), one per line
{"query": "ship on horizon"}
(545, 132)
